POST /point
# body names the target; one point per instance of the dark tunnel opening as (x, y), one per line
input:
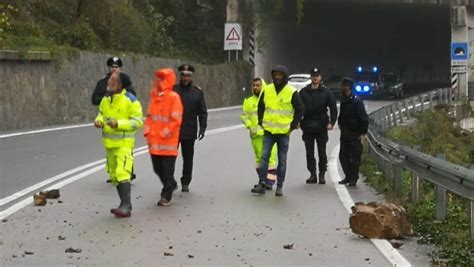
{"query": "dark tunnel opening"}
(411, 40)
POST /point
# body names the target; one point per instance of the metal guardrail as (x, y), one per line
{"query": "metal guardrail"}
(393, 158)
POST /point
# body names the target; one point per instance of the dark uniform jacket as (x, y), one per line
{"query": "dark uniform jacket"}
(353, 119)
(101, 88)
(194, 107)
(316, 103)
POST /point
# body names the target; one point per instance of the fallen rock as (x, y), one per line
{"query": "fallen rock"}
(168, 254)
(380, 220)
(39, 200)
(51, 194)
(288, 246)
(73, 250)
(396, 243)
(190, 256)
(29, 253)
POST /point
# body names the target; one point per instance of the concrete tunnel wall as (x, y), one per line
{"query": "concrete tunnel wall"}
(412, 40)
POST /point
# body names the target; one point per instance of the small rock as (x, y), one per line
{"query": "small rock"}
(367, 259)
(5, 220)
(73, 250)
(14, 256)
(170, 247)
(190, 256)
(199, 231)
(51, 194)
(288, 246)
(60, 201)
(257, 234)
(310, 254)
(39, 200)
(396, 243)
(61, 237)
(168, 254)
(29, 253)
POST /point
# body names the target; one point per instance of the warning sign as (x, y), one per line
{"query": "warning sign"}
(233, 36)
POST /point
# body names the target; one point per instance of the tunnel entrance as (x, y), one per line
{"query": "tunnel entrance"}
(411, 40)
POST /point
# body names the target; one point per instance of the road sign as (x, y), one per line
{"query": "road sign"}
(459, 54)
(233, 36)
(458, 69)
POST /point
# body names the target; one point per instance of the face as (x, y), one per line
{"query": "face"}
(316, 78)
(114, 69)
(113, 84)
(278, 77)
(186, 79)
(346, 89)
(256, 87)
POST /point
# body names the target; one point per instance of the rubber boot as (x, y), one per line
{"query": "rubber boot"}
(313, 179)
(125, 208)
(322, 179)
(115, 209)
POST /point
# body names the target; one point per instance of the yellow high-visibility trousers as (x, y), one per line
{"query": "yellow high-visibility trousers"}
(119, 164)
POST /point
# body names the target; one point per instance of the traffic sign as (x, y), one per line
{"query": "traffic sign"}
(233, 36)
(459, 54)
(458, 69)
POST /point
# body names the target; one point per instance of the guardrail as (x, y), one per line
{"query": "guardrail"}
(393, 158)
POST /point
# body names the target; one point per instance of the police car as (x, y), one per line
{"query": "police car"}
(366, 82)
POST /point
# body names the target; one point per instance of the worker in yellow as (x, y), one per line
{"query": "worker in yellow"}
(120, 115)
(250, 119)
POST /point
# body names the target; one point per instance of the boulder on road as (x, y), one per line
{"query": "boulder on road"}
(380, 220)
(39, 200)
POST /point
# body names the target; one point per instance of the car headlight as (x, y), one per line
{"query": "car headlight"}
(366, 88)
(358, 88)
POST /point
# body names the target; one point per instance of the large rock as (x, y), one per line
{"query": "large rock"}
(380, 220)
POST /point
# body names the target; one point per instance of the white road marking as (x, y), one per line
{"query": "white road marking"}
(45, 130)
(85, 172)
(392, 255)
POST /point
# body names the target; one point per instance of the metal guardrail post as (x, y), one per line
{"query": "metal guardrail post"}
(407, 111)
(413, 105)
(471, 212)
(386, 113)
(393, 114)
(440, 96)
(399, 109)
(415, 188)
(431, 100)
(422, 102)
(397, 179)
(441, 198)
(450, 95)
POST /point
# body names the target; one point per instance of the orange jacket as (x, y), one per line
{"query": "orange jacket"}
(164, 115)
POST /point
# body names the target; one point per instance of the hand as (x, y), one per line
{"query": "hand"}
(362, 138)
(98, 124)
(112, 123)
(201, 135)
(330, 127)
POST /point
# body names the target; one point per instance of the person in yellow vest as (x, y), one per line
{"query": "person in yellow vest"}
(280, 110)
(250, 119)
(120, 115)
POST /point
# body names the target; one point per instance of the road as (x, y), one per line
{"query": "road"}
(218, 223)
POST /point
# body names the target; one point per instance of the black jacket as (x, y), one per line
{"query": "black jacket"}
(101, 88)
(194, 106)
(295, 102)
(353, 119)
(316, 104)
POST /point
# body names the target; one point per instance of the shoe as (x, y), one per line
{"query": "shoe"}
(313, 179)
(344, 181)
(175, 188)
(322, 179)
(164, 202)
(108, 181)
(125, 208)
(184, 188)
(352, 183)
(279, 191)
(268, 187)
(259, 189)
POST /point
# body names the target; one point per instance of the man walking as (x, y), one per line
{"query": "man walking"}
(162, 126)
(316, 123)
(279, 112)
(354, 123)
(250, 119)
(195, 110)
(120, 115)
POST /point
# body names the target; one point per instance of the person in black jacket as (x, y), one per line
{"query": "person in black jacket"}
(194, 110)
(115, 65)
(354, 123)
(317, 99)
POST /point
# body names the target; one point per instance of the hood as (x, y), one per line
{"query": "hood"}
(168, 80)
(281, 68)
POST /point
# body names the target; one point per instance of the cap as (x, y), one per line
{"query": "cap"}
(315, 70)
(114, 61)
(347, 81)
(186, 69)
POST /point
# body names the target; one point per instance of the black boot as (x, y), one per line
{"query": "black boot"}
(259, 189)
(353, 182)
(279, 191)
(115, 209)
(344, 181)
(125, 208)
(322, 179)
(313, 179)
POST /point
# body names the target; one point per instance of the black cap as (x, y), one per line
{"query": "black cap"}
(186, 69)
(347, 81)
(114, 61)
(314, 70)
(281, 68)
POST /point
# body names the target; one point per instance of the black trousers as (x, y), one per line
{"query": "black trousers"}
(350, 156)
(187, 151)
(321, 141)
(164, 168)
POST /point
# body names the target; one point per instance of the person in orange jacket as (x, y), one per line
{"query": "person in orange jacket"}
(161, 130)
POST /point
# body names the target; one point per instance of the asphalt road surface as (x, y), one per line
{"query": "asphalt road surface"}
(218, 223)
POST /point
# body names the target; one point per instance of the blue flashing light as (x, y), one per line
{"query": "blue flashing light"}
(366, 88)
(358, 88)
(375, 69)
(359, 69)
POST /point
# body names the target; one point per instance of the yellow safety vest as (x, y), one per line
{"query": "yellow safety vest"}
(278, 109)
(126, 109)
(250, 117)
